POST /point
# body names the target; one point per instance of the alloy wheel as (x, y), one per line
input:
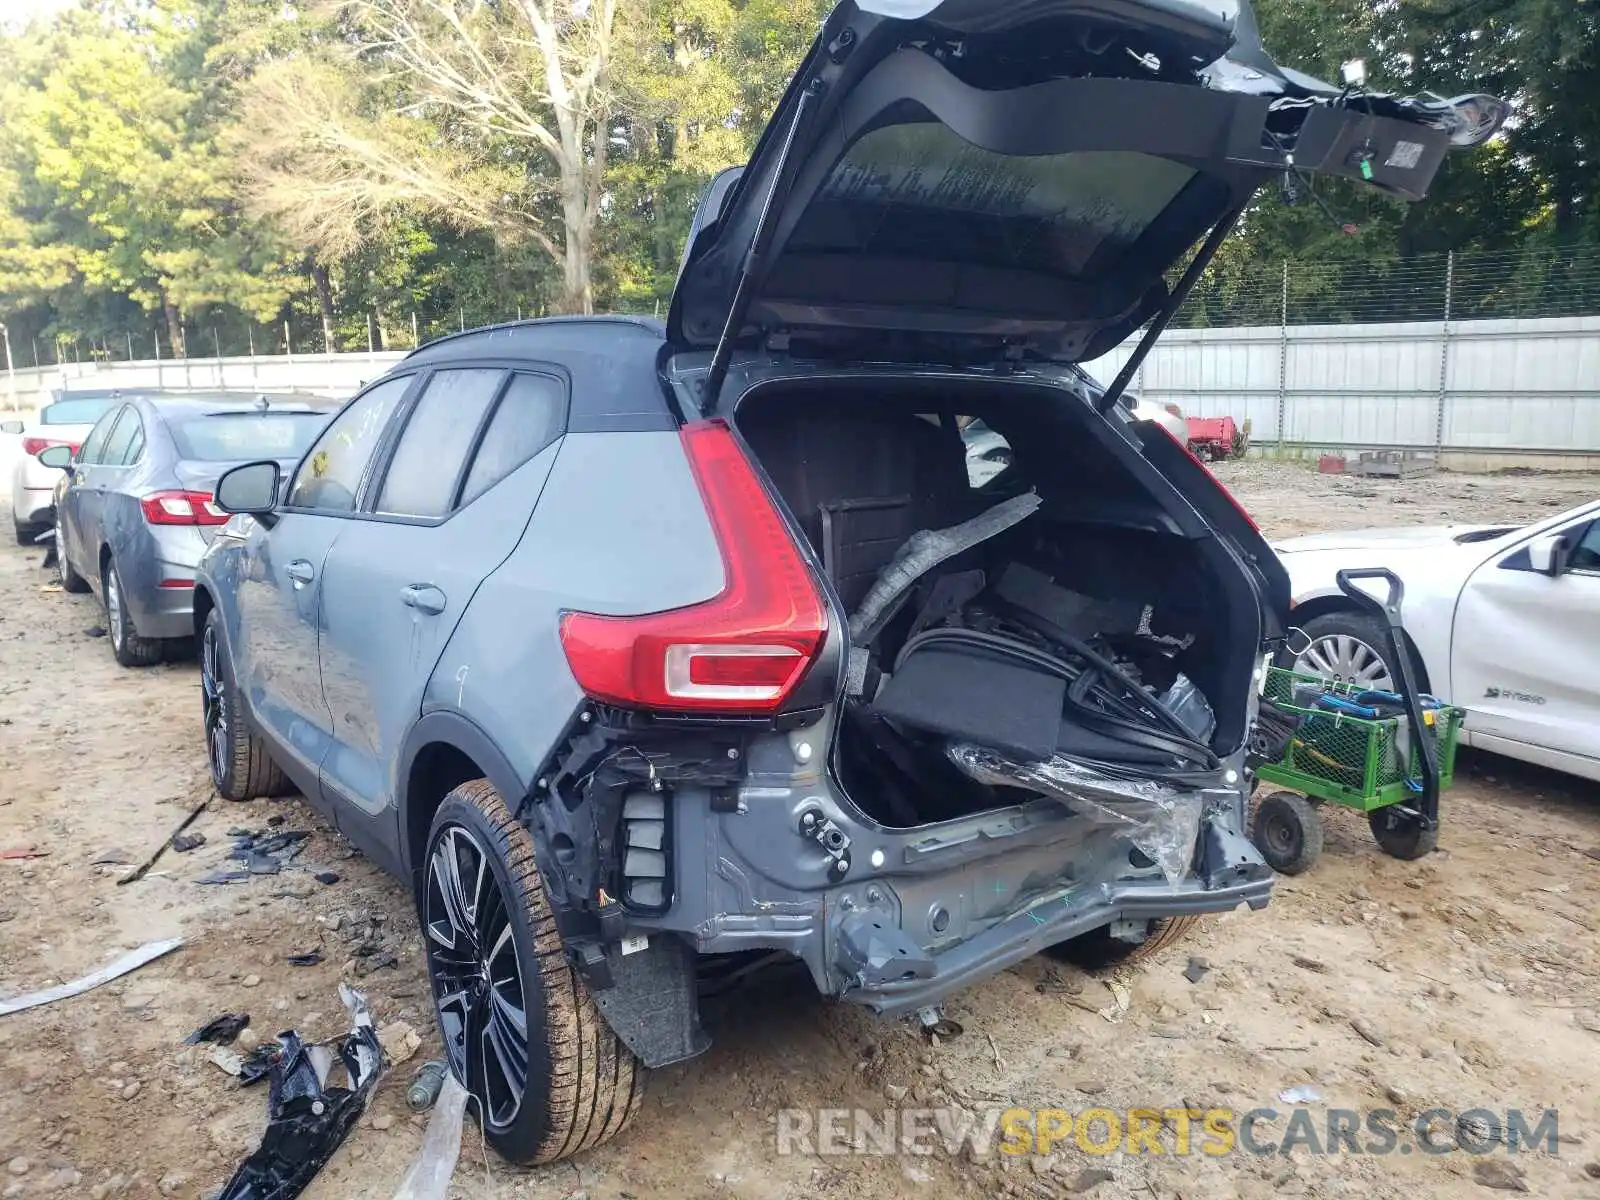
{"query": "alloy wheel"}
(477, 975)
(114, 607)
(1345, 658)
(216, 712)
(61, 548)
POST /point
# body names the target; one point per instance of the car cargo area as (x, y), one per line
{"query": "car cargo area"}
(1032, 612)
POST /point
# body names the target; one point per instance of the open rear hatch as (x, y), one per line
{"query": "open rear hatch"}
(984, 182)
(981, 179)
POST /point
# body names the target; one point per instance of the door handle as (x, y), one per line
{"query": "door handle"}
(300, 572)
(423, 597)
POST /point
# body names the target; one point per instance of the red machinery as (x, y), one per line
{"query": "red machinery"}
(1213, 438)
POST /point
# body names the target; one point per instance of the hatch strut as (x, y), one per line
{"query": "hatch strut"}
(1191, 276)
(758, 247)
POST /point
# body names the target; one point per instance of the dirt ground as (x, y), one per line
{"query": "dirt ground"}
(1477, 969)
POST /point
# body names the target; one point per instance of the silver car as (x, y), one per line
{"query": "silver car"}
(134, 513)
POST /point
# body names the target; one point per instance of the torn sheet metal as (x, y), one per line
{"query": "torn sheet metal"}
(307, 1119)
(1162, 822)
(131, 961)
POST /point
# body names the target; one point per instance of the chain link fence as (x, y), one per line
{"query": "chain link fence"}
(1466, 286)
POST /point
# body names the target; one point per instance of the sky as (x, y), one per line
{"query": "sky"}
(17, 12)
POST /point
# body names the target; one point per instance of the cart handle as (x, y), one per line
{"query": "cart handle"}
(1421, 736)
(1390, 606)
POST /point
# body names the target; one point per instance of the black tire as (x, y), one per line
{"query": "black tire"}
(71, 581)
(24, 533)
(581, 1084)
(130, 649)
(1097, 950)
(1367, 630)
(1288, 832)
(1401, 836)
(241, 768)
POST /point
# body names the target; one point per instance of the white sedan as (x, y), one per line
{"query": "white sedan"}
(65, 421)
(1503, 622)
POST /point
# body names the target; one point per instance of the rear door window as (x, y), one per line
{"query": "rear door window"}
(330, 475)
(121, 438)
(528, 418)
(95, 442)
(423, 474)
(136, 443)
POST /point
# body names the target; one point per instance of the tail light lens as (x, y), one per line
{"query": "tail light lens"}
(743, 651)
(1231, 498)
(182, 508)
(33, 445)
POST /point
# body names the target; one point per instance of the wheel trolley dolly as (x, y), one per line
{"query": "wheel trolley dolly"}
(1387, 754)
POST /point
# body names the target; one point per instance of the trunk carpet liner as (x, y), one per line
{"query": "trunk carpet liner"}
(996, 704)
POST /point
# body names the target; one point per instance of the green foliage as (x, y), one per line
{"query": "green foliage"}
(134, 133)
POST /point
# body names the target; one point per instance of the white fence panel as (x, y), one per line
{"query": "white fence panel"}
(1525, 385)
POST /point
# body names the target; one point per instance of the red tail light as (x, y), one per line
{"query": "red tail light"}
(1231, 498)
(182, 508)
(33, 445)
(743, 651)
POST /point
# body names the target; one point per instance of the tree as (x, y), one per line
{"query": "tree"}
(490, 117)
(116, 185)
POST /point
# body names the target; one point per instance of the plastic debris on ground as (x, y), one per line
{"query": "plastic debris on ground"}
(1161, 821)
(143, 868)
(307, 1120)
(184, 842)
(1121, 999)
(266, 853)
(131, 961)
(223, 877)
(221, 1030)
(429, 1176)
(1300, 1094)
(309, 959)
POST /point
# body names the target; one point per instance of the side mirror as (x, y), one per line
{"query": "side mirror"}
(10, 426)
(252, 488)
(59, 457)
(1550, 554)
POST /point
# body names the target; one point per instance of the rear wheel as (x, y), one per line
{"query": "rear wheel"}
(1098, 950)
(71, 581)
(241, 768)
(1401, 835)
(1348, 646)
(130, 649)
(1288, 832)
(24, 533)
(519, 1028)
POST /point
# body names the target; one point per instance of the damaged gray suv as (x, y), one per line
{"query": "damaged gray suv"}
(638, 648)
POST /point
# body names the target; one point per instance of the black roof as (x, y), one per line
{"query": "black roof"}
(612, 363)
